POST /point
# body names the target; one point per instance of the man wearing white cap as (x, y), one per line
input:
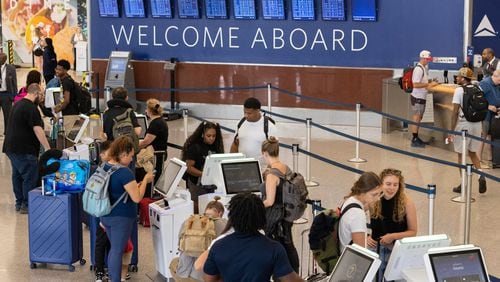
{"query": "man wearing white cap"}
(460, 121)
(421, 84)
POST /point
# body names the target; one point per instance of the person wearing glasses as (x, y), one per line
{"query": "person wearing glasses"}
(393, 217)
(25, 124)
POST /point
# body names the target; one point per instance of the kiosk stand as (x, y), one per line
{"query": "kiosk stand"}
(121, 73)
(167, 215)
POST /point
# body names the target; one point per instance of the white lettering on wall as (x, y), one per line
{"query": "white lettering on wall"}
(154, 37)
(141, 35)
(321, 41)
(304, 35)
(166, 36)
(233, 37)
(196, 35)
(218, 36)
(259, 37)
(122, 32)
(365, 40)
(279, 38)
(338, 39)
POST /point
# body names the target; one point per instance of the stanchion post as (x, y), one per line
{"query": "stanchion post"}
(468, 189)
(461, 198)
(269, 102)
(295, 156)
(431, 195)
(309, 183)
(357, 159)
(185, 120)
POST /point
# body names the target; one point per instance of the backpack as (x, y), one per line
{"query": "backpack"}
(294, 193)
(266, 125)
(83, 97)
(324, 239)
(70, 177)
(474, 103)
(196, 235)
(95, 199)
(406, 81)
(122, 126)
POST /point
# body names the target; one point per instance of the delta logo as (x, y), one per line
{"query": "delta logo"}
(485, 28)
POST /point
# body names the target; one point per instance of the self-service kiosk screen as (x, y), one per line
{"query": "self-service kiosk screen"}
(241, 176)
(364, 10)
(118, 64)
(273, 9)
(161, 9)
(216, 9)
(108, 8)
(188, 9)
(333, 10)
(134, 8)
(244, 9)
(303, 10)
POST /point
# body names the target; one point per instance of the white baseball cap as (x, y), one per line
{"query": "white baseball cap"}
(424, 54)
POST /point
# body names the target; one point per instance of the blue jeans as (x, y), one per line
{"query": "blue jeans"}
(118, 229)
(24, 176)
(384, 254)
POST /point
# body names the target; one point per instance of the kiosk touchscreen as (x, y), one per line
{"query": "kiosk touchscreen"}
(170, 178)
(53, 96)
(408, 254)
(241, 176)
(143, 122)
(120, 73)
(210, 175)
(355, 264)
(78, 129)
(457, 263)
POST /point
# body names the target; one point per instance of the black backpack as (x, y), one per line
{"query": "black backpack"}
(474, 103)
(266, 125)
(83, 97)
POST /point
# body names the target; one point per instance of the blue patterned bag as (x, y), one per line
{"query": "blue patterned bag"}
(71, 176)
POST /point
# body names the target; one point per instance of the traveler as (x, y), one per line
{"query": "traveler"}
(252, 130)
(25, 124)
(117, 106)
(33, 76)
(246, 254)
(281, 229)
(459, 123)
(352, 226)
(205, 140)
(69, 106)
(49, 60)
(393, 217)
(8, 87)
(490, 62)
(491, 89)
(120, 221)
(421, 85)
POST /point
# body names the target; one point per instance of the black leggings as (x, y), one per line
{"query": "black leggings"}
(102, 247)
(287, 243)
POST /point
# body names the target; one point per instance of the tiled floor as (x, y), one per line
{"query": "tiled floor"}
(334, 185)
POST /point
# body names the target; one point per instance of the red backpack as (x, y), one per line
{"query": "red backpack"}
(406, 82)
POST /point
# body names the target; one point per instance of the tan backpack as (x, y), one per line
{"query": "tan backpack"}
(196, 235)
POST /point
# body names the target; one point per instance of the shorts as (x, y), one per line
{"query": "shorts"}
(417, 105)
(473, 128)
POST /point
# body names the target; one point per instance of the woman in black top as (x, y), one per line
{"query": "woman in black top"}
(205, 140)
(157, 134)
(49, 59)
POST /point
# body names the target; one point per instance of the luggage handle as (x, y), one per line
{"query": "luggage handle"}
(53, 186)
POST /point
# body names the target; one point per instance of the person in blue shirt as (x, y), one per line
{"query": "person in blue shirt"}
(491, 89)
(120, 221)
(246, 255)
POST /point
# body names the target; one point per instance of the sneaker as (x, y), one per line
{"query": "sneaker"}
(482, 184)
(458, 189)
(127, 277)
(23, 210)
(99, 277)
(416, 143)
(18, 208)
(422, 141)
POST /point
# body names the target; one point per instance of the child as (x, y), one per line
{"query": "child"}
(127, 255)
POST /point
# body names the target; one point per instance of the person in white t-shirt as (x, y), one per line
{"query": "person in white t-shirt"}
(251, 131)
(459, 123)
(421, 85)
(352, 227)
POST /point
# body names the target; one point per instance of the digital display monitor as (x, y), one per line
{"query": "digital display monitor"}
(188, 9)
(118, 64)
(216, 9)
(53, 96)
(458, 263)
(244, 9)
(333, 10)
(108, 8)
(273, 9)
(134, 8)
(303, 10)
(408, 253)
(143, 122)
(211, 169)
(241, 176)
(78, 129)
(161, 9)
(364, 10)
(356, 264)
(170, 177)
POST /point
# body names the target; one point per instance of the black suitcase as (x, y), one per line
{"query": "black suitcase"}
(495, 138)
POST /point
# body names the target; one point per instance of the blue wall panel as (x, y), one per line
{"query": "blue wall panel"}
(404, 27)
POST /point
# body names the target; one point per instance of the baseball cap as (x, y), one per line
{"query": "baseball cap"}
(424, 54)
(466, 72)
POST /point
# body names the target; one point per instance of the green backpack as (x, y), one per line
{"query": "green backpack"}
(122, 126)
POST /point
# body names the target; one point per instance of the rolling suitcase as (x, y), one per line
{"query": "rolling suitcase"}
(55, 229)
(495, 138)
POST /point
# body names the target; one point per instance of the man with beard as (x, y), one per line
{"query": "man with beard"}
(22, 144)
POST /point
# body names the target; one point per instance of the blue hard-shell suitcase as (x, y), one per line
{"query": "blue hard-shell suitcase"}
(55, 229)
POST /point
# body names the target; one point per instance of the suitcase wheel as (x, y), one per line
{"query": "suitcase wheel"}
(132, 268)
(32, 265)
(83, 262)
(71, 268)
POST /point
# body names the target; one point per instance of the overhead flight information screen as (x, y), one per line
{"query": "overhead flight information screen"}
(216, 9)
(273, 9)
(244, 9)
(188, 9)
(333, 10)
(303, 10)
(161, 9)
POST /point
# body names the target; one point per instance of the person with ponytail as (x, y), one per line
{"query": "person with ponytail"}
(393, 217)
(205, 140)
(353, 226)
(277, 228)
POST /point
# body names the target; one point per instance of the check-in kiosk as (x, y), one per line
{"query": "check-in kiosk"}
(232, 176)
(168, 214)
(120, 73)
